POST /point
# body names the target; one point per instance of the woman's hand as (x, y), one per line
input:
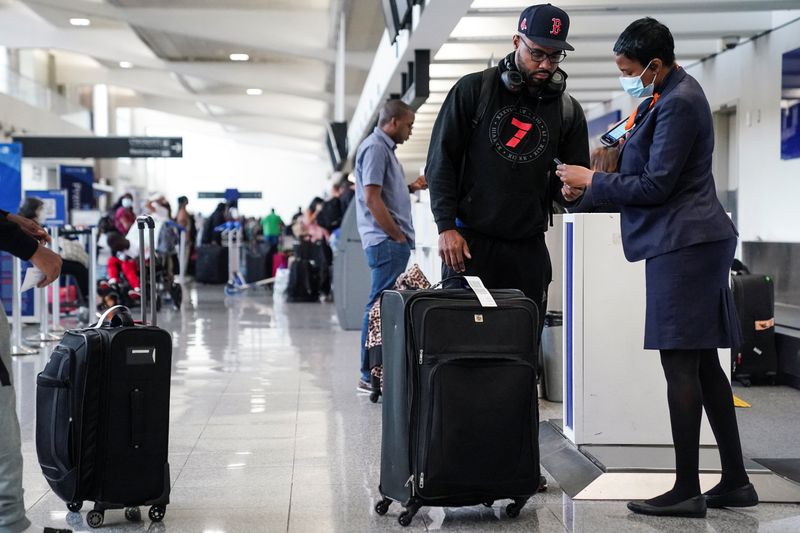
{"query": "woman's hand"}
(575, 176)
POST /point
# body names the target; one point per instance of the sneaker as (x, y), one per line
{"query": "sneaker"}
(364, 386)
(135, 294)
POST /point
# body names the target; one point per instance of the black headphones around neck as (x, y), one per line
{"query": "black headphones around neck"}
(513, 80)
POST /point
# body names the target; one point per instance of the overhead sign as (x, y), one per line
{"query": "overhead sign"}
(79, 184)
(101, 147)
(230, 195)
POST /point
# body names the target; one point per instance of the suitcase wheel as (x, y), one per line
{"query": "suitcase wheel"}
(407, 516)
(513, 509)
(133, 514)
(382, 507)
(95, 518)
(157, 513)
(75, 506)
(373, 396)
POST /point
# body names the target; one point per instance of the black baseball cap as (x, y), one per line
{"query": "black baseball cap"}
(546, 25)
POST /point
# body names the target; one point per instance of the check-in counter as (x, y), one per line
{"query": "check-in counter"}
(614, 390)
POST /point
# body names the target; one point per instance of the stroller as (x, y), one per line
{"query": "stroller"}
(119, 293)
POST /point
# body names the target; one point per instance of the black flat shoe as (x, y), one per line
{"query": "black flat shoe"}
(691, 508)
(745, 496)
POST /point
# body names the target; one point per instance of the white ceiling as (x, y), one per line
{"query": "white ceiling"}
(180, 54)
(485, 33)
(180, 49)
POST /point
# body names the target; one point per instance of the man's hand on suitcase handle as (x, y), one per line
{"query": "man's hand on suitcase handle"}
(453, 249)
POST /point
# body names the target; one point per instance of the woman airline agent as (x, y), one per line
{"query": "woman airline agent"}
(671, 218)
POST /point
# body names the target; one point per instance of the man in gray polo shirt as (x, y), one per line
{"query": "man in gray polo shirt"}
(383, 208)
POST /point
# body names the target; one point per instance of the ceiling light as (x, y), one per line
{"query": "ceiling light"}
(240, 57)
(80, 22)
(255, 92)
(125, 64)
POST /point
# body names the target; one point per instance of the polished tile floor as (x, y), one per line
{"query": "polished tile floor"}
(269, 435)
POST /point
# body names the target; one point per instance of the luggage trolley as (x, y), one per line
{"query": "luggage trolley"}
(233, 230)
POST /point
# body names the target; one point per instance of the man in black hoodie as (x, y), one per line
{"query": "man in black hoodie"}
(491, 165)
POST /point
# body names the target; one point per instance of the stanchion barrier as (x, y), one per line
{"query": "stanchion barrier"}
(55, 287)
(182, 259)
(17, 347)
(44, 334)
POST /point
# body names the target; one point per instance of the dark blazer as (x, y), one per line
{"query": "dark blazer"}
(664, 185)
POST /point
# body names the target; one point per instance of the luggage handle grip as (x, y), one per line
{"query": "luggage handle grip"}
(141, 222)
(119, 311)
(452, 278)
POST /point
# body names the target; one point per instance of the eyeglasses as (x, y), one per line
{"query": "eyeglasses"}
(539, 55)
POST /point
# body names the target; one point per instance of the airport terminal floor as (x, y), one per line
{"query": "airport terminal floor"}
(268, 434)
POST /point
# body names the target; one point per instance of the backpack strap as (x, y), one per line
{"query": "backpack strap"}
(567, 114)
(488, 84)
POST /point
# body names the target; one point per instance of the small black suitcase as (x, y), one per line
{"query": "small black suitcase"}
(102, 414)
(460, 406)
(212, 264)
(757, 358)
(258, 266)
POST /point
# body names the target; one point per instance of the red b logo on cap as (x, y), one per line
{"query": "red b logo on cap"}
(556, 27)
(523, 25)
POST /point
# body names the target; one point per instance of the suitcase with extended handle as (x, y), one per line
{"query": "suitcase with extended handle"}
(102, 401)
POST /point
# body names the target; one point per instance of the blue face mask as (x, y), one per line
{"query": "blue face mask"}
(633, 85)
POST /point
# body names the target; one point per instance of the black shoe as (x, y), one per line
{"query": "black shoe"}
(745, 496)
(691, 508)
(542, 484)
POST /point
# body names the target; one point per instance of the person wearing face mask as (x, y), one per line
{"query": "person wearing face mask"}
(75, 261)
(124, 217)
(671, 218)
(490, 161)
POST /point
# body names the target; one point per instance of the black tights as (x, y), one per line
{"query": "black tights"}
(696, 380)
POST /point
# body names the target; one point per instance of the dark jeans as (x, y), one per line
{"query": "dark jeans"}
(387, 261)
(520, 264)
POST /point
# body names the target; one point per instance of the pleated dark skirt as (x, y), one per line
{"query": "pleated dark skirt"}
(689, 301)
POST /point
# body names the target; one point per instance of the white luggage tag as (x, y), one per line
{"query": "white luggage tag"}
(483, 294)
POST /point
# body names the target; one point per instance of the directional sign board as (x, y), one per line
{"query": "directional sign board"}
(101, 147)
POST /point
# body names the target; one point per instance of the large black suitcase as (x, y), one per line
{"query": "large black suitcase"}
(460, 411)
(212, 264)
(757, 358)
(258, 266)
(304, 281)
(102, 415)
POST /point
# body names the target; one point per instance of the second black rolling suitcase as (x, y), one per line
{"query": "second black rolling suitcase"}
(757, 359)
(212, 264)
(102, 423)
(460, 411)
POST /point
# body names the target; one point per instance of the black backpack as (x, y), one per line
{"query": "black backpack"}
(330, 215)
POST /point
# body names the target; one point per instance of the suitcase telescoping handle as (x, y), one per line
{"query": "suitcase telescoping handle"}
(141, 222)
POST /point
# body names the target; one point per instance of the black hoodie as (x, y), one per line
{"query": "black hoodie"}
(507, 184)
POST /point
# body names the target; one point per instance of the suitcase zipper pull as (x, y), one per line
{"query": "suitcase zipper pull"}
(422, 480)
(421, 351)
(410, 481)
